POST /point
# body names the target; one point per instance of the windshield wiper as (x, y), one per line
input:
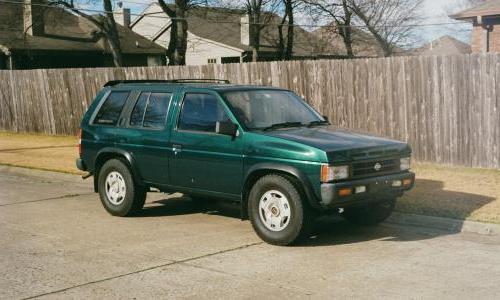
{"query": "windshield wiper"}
(318, 123)
(283, 125)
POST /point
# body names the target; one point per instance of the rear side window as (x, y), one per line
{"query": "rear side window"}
(111, 109)
(138, 113)
(150, 111)
(200, 112)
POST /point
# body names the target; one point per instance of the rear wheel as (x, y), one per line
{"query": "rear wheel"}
(277, 212)
(371, 214)
(119, 194)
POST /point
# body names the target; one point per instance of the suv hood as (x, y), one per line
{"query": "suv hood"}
(342, 144)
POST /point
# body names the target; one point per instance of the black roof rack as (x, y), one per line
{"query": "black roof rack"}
(194, 80)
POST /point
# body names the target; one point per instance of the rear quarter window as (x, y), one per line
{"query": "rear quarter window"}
(150, 111)
(111, 108)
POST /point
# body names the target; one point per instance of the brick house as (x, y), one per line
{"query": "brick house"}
(485, 19)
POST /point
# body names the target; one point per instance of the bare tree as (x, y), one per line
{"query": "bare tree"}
(254, 11)
(177, 45)
(261, 15)
(387, 20)
(105, 23)
(178, 13)
(340, 12)
(285, 50)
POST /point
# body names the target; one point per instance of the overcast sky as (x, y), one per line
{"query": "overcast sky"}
(437, 11)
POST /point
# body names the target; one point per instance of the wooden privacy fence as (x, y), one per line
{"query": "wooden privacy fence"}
(447, 108)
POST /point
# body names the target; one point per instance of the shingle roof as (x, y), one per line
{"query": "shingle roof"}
(65, 31)
(223, 25)
(489, 8)
(445, 45)
(364, 44)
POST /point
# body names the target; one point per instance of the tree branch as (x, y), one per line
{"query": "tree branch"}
(71, 7)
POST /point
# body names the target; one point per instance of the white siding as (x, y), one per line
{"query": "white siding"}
(151, 26)
(199, 50)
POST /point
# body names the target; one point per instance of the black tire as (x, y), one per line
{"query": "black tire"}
(371, 214)
(135, 196)
(301, 217)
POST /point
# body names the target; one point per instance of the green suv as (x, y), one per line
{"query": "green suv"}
(262, 147)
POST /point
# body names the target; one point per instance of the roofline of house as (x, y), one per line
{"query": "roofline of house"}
(217, 43)
(141, 16)
(156, 36)
(9, 50)
(466, 15)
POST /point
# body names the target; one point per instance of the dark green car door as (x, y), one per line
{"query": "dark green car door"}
(202, 159)
(145, 136)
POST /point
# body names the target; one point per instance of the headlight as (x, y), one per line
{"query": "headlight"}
(404, 163)
(330, 173)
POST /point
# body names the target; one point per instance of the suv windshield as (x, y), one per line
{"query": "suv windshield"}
(272, 109)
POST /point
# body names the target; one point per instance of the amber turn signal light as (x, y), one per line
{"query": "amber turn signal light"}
(406, 182)
(345, 192)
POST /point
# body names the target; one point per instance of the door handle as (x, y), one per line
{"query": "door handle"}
(176, 148)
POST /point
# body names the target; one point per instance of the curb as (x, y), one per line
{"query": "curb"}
(446, 224)
(39, 173)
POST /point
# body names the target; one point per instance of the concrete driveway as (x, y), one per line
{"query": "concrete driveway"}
(58, 242)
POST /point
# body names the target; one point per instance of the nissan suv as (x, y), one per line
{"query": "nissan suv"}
(262, 147)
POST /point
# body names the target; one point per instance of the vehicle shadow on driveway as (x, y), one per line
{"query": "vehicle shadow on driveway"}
(183, 205)
(333, 230)
(428, 198)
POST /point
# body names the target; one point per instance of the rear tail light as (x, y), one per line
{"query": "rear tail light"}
(80, 142)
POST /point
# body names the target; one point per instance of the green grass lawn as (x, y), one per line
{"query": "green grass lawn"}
(453, 192)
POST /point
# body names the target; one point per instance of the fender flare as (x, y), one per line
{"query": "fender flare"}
(120, 153)
(281, 168)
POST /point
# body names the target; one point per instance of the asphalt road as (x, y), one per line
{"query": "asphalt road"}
(58, 242)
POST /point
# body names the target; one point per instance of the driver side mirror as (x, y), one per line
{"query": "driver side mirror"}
(226, 128)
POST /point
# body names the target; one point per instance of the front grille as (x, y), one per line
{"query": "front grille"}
(367, 168)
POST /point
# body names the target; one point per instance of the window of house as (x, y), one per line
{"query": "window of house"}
(111, 109)
(150, 110)
(212, 60)
(201, 112)
(230, 59)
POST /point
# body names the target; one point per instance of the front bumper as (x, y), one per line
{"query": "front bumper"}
(377, 189)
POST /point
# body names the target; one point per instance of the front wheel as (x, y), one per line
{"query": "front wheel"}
(119, 194)
(277, 212)
(371, 214)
